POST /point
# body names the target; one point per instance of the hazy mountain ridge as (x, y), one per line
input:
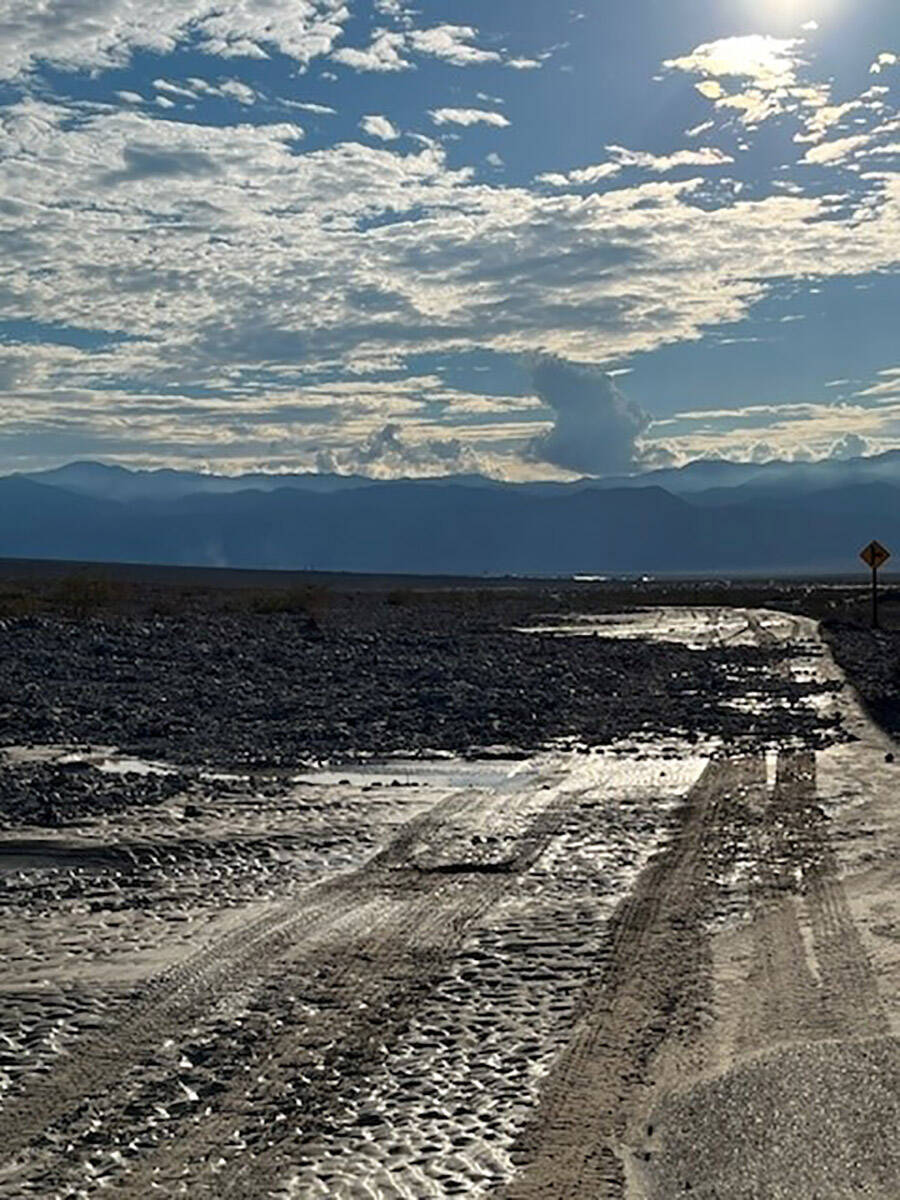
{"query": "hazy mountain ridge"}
(707, 479)
(780, 521)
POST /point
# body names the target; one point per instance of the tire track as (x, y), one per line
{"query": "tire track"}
(795, 993)
(373, 981)
(651, 1014)
(656, 987)
(372, 940)
(813, 1076)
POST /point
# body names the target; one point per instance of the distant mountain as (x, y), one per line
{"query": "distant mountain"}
(711, 479)
(459, 527)
(108, 482)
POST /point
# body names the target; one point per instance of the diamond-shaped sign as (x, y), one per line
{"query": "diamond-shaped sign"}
(875, 555)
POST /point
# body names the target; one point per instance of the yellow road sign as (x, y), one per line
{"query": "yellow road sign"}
(875, 555)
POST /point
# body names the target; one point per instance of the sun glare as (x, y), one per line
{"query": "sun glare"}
(783, 16)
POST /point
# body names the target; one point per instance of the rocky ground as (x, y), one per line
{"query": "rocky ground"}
(871, 660)
(263, 690)
(274, 680)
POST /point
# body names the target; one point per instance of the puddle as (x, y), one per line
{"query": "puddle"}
(37, 855)
(440, 773)
(105, 759)
(699, 629)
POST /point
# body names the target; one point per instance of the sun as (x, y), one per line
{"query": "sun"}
(782, 16)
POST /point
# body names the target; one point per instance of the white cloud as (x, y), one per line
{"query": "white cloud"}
(378, 126)
(237, 90)
(888, 385)
(760, 71)
(352, 425)
(595, 428)
(240, 270)
(798, 431)
(661, 164)
(581, 175)
(769, 62)
(390, 451)
(468, 116)
(385, 53)
(175, 89)
(821, 120)
(837, 151)
(621, 158)
(453, 44)
(886, 59)
(246, 269)
(73, 35)
(322, 110)
(230, 89)
(391, 50)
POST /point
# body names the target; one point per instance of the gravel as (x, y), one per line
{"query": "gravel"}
(255, 690)
(56, 794)
(871, 660)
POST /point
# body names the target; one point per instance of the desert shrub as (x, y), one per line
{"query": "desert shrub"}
(401, 597)
(81, 596)
(18, 602)
(312, 600)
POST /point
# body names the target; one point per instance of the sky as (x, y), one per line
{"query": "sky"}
(525, 238)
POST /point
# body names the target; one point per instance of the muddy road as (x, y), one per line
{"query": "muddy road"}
(656, 968)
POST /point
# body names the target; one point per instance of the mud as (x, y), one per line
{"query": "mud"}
(652, 967)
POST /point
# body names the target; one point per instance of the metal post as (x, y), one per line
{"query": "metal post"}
(874, 597)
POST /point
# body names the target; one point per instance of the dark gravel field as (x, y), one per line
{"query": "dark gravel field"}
(272, 690)
(53, 794)
(871, 660)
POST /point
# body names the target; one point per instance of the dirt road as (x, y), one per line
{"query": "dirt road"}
(674, 972)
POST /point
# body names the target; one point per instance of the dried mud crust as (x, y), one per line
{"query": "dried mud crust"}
(265, 690)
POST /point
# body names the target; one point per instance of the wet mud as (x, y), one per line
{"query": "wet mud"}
(629, 969)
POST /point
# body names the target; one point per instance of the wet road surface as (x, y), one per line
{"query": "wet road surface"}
(652, 971)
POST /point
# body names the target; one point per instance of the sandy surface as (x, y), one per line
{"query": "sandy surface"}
(655, 969)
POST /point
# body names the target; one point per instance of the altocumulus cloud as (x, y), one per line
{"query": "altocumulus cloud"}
(378, 126)
(596, 427)
(468, 116)
(88, 36)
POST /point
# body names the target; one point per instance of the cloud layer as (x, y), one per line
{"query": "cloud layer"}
(266, 286)
(76, 35)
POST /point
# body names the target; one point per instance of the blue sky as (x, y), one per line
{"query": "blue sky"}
(519, 237)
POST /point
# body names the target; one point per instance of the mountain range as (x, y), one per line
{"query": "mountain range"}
(709, 517)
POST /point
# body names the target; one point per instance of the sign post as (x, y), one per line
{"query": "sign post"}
(874, 555)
